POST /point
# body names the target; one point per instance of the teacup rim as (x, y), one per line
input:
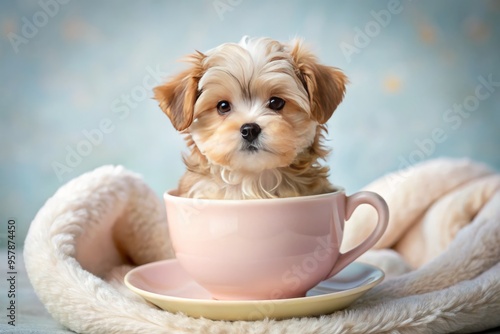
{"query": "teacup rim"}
(171, 194)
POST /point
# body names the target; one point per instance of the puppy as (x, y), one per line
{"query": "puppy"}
(254, 116)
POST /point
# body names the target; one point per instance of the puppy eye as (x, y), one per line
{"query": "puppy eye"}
(276, 103)
(223, 107)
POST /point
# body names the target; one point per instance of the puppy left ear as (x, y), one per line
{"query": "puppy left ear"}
(324, 84)
(178, 96)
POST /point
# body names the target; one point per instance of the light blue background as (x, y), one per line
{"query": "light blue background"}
(77, 68)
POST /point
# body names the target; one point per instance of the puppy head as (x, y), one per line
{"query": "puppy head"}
(254, 105)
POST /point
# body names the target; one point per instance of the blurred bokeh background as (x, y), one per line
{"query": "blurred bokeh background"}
(76, 84)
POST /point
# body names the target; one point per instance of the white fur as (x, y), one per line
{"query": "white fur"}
(456, 289)
(238, 184)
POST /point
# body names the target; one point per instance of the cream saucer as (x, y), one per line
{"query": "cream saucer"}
(167, 285)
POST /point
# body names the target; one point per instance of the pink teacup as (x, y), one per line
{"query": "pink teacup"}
(266, 248)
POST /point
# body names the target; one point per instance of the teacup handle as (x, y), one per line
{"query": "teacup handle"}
(352, 202)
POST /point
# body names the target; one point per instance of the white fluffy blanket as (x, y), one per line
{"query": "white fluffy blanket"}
(441, 254)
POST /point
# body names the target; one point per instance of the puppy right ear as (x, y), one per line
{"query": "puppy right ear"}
(178, 96)
(325, 85)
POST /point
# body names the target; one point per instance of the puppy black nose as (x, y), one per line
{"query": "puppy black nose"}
(250, 131)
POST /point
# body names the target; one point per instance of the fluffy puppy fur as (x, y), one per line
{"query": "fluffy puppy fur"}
(254, 116)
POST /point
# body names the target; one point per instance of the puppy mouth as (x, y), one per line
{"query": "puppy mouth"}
(254, 146)
(251, 147)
